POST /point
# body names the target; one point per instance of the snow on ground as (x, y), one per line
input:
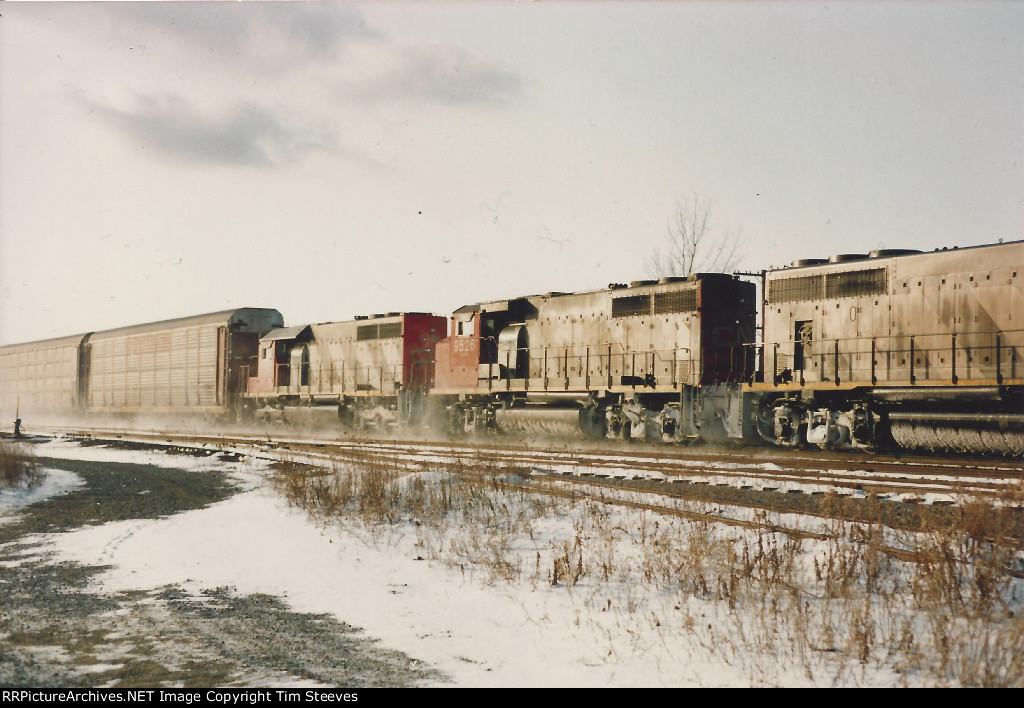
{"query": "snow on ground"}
(69, 449)
(479, 636)
(478, 633)
(54, 482)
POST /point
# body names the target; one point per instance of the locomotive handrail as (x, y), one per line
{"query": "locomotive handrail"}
(363, 378)
(560, 365)
(947, 357)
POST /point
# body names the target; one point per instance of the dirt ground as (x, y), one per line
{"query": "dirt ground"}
(57, 631)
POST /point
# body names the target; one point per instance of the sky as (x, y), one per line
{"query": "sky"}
(160, 160)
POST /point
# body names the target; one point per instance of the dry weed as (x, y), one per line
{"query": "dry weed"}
(18, 466)
(833, 608)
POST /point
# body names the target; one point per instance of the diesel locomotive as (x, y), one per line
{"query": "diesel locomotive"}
(920, 349)
(857, 351)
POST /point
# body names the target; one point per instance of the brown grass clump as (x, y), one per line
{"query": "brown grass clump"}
(18, 466)
(944, 611)
(962, 566)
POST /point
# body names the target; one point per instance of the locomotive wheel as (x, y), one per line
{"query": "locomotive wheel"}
(765, 420)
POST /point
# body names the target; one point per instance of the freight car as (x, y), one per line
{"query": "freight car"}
(644, 360)
(921, 349)
(187, 366)
(369, 372)
(42, 378)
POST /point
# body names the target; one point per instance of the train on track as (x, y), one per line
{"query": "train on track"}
(857, 351)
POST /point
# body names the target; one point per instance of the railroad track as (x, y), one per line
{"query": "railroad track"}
(908, 479)
(748, 488)
(653, 483)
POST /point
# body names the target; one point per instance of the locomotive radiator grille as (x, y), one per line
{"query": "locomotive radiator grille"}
(806, 287)
(857, 283)
(677, 301)
(854, 283)
(388, 330)
(631, 306)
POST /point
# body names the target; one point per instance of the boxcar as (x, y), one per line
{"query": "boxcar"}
(41, 378)
(192, 365)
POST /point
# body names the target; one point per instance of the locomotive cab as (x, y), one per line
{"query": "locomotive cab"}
(488, 342)
(274, 368)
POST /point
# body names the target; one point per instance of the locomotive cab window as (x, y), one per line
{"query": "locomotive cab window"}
(488, 327)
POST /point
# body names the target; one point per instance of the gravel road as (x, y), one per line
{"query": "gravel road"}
(56, 630)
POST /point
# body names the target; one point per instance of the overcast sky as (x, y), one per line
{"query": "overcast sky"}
(165, 159)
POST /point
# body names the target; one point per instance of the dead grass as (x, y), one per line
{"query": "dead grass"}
(18, 466)
(833, 610)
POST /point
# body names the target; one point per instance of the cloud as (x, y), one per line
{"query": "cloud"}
(244, 135)
(276, 38)
(267, 36)
(256, 84)
(443, 75)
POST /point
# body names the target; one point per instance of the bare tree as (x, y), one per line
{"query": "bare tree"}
(692, 246)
